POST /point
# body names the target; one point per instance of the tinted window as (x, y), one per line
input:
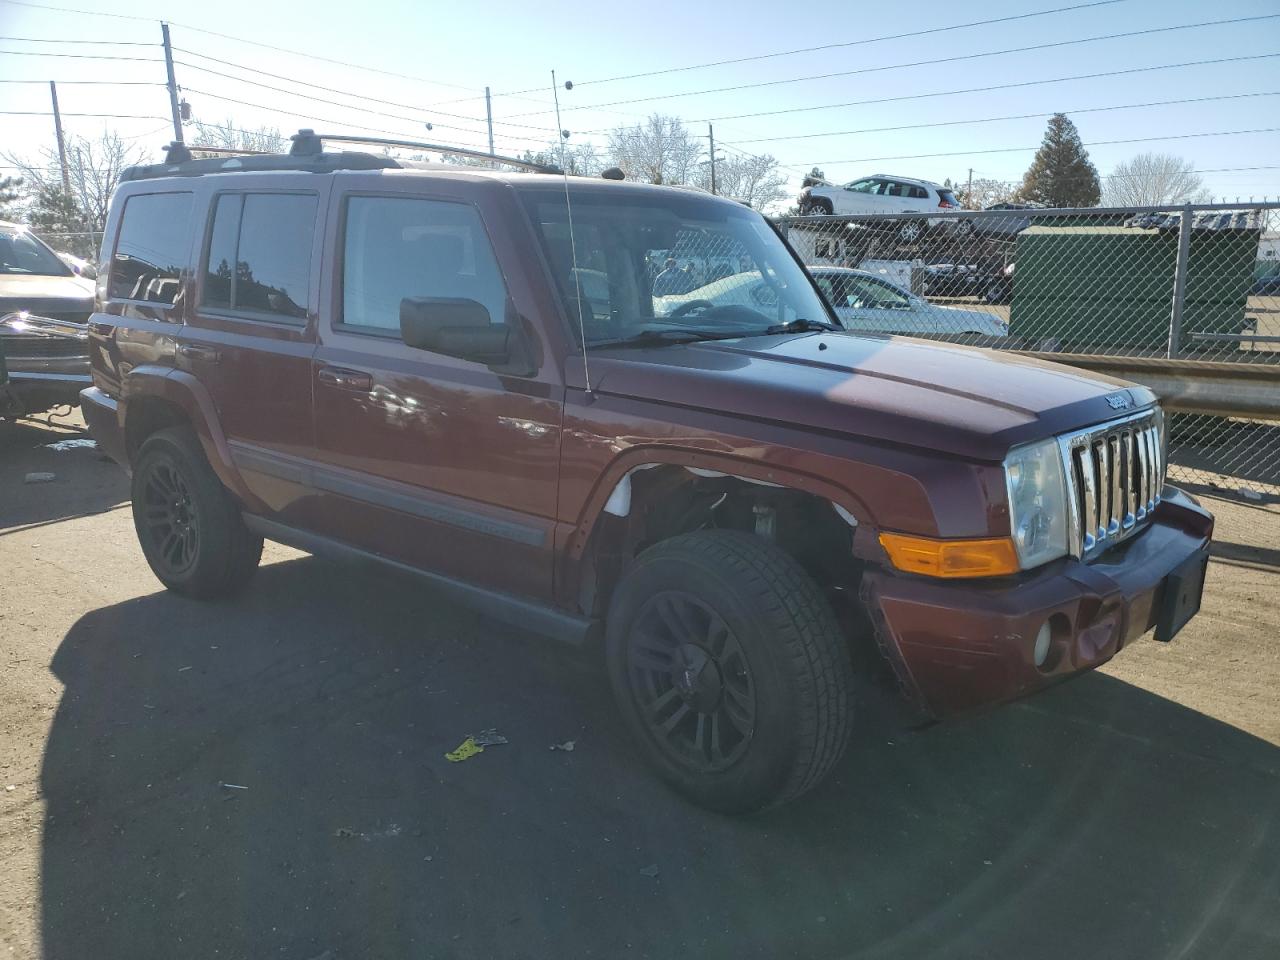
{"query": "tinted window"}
(21, 253)
(152, 249)
(222, 252)
(268, 237)
(919, 193)
(273, 263)
(400, 248)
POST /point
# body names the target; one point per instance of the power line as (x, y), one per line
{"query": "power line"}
(101, 83)
(921, 63)
(1016, 116)
(987, 89)
(75, 56)
(64, 113)
(1094, 143)
(836, 46)
(316, 86)
(304, 96)
(227, 36)
(101, 43)
(303, 116)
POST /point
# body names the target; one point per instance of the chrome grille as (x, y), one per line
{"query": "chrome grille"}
(1115, 474)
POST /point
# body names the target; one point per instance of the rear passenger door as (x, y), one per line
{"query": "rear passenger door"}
(251, 331)
(435, 461)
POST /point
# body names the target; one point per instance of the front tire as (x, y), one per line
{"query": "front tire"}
(730, 670)
(188, 525)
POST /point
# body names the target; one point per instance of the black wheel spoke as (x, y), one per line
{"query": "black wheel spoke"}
(690, 676)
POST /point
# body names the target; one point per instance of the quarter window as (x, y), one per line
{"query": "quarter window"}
(153, 247)
(259, 259)
(398, 248)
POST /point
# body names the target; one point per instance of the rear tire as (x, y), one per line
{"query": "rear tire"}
(188, 525)
(820, 206)
(730, 670)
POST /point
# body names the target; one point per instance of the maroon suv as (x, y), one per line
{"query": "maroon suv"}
(372, 359)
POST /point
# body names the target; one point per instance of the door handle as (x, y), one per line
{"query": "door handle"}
(345, 379)
(194, 351)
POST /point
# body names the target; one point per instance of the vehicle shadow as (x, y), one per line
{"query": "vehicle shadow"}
(87, 482)
(267, 778)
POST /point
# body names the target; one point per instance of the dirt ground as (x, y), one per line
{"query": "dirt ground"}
(1130, 813)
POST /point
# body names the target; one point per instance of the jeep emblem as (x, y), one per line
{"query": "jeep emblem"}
(1118, 401)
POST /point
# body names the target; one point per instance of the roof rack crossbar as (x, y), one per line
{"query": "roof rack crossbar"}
(440, 148)
(229, 151)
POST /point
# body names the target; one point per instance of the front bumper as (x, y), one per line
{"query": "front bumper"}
(960, 646)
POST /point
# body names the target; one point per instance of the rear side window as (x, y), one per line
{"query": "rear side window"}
(396, 249)
(154, 242)
(259, 261)
(946, 196)
(919, 193)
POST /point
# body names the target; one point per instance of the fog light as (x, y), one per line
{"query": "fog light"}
(1041, 651)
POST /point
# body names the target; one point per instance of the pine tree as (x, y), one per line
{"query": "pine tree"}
(57, 217)
(1061, 174)
(10, 194)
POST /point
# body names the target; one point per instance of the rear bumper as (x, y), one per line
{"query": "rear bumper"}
(960, 646)
(101, 415)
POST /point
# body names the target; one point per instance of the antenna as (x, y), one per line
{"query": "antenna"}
(573, 247)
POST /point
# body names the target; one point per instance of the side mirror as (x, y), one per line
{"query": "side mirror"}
(459, 327)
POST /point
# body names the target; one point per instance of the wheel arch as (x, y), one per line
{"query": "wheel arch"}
(153, 398)
(655, 493)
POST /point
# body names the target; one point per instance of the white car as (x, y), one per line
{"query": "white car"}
(862, 301)
(866, 302)
(883, 194)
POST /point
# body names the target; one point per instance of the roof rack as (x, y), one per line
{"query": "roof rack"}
(306, 155)
(308, 143)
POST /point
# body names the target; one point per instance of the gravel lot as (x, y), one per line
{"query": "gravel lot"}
(1131, 813)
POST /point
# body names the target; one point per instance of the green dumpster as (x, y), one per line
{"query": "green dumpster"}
(1108, 288)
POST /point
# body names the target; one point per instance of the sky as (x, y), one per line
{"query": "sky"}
(431, 61)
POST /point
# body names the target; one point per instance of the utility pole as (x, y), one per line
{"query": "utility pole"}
(968, 193)
(711, 135)
(62, 146)
(172, 84)
(488, 115)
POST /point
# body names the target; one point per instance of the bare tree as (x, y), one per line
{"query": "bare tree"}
(985, 192)
(753, 180)
(230, 137)
(1154, 179)
(660, 150)
(94, 169)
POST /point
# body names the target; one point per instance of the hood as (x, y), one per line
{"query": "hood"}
(45, 295)
(965, 401)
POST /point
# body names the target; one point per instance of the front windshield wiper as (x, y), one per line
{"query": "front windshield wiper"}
(669, 337)
(799, 325)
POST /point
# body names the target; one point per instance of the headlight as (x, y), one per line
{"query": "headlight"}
(1037, 502)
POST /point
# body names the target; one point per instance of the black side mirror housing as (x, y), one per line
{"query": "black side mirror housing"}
(460, 327)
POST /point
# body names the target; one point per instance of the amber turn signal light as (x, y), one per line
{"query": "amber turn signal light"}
(951, 558)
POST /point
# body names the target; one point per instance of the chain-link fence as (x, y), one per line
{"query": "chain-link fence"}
(1193, 293)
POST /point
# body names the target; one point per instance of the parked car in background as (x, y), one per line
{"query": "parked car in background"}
(1004, 227)
(43, 303)
(881, 194)
(1267, 286)
(861, 300)
(869, 303)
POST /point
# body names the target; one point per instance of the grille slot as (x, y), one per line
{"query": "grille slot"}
(1115, 473)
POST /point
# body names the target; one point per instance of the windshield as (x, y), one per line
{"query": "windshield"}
(672, 264)
(22, 253)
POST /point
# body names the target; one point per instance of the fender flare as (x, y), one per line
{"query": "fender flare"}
(184, 391)
(848, 505)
